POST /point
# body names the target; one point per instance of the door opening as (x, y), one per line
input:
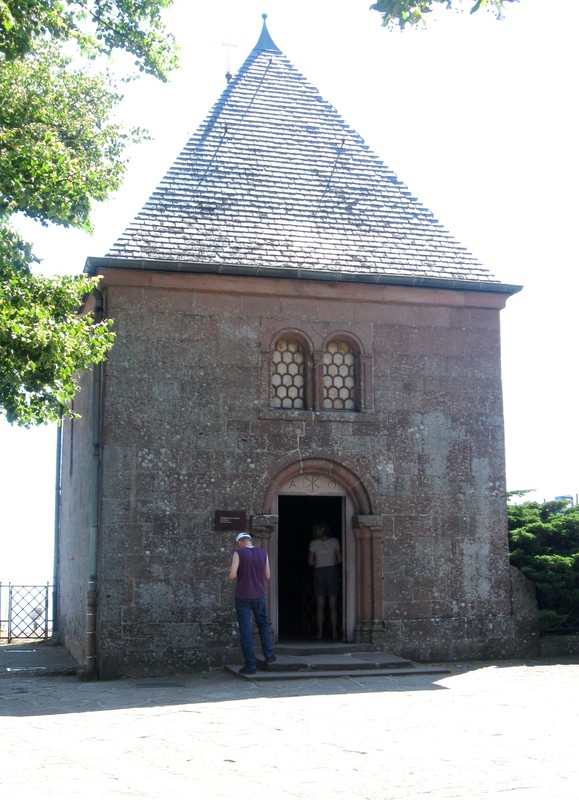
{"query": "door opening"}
(296, 601)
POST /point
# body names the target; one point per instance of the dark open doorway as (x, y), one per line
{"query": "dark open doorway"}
(296, 602)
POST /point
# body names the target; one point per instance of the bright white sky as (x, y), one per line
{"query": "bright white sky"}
(477, 117)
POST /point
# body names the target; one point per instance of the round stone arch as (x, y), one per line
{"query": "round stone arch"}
(293, 333)
(315, 466)
(346, 336)
(362, 535)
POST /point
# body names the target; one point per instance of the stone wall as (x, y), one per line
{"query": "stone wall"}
(75, 522)
(559, 645)
(187, 429)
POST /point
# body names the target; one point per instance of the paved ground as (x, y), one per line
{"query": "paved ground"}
(501, 730)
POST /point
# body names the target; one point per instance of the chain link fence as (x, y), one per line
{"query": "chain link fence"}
(25, 612)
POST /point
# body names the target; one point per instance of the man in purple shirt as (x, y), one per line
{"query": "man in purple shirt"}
(250, 568)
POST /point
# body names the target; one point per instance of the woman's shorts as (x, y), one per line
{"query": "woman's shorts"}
(326, 581)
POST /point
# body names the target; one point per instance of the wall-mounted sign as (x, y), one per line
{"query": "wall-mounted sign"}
(230, 521)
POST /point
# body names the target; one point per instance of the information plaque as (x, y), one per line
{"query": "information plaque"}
(230, 520)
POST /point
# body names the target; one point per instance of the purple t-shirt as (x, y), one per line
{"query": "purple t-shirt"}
(251, 573)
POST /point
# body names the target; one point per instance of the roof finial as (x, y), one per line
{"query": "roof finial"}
(265, 41)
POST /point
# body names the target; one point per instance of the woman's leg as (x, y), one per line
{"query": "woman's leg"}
(333, 603)
(320, 603)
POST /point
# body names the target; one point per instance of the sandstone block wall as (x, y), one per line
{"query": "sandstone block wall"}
(187, 429)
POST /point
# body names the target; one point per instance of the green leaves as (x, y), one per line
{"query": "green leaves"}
(544, 545)
(44, 341)
(98, 27)
(414, 12)
(403, 12)
(60, 151)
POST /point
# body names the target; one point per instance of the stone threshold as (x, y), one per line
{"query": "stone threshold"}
(333, 660)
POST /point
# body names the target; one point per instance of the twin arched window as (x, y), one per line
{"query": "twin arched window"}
(333, 385)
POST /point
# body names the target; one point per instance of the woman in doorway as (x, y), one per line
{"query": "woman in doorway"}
(325, 555)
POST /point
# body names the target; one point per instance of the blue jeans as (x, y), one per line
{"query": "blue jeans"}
(244, 609)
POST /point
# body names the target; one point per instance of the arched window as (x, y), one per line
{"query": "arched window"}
(340, 389)
(288, 374)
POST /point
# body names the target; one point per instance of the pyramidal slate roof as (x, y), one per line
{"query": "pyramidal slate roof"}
(275, 182)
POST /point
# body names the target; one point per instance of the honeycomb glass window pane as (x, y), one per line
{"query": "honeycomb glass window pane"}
(287, 378)
(339, 382)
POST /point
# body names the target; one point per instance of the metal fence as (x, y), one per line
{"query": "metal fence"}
(25, 612)
(566, 616)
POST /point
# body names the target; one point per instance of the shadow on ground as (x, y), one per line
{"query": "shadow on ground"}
(41, 680)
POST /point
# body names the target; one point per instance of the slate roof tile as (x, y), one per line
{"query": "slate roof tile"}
(275, 177)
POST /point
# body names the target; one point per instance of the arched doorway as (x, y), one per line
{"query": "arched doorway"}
(302, 493)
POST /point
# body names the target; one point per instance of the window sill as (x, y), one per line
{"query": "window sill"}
(311, 415)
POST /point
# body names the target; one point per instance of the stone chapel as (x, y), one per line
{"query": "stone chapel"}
(297, 339)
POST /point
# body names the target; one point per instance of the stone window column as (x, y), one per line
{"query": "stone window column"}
(368, 532)
(365, 382)
(318, 380)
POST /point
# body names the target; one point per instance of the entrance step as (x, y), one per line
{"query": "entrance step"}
(312, 647)
(333, 660)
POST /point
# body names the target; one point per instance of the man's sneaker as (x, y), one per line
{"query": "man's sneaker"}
(271, 660)
(246, 671)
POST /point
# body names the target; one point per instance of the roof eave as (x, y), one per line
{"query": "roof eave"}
(93, 265)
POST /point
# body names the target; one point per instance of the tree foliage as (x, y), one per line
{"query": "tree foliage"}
(413, 12)
(43, 343)
(544, 545)
(97, 26)
(60, 151)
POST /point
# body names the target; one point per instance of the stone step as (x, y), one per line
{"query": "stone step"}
(316, 647)
(339, 661)
(292, 675)
(317, 660)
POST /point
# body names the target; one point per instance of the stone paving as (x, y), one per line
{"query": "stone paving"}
(500, 730)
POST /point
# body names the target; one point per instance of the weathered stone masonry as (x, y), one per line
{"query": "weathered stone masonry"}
(186, 431)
